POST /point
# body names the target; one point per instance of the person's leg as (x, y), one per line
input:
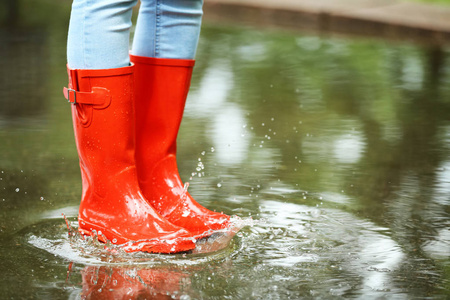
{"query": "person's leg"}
(99, 33)
(165, 43)
(101, 92)
(168, 28)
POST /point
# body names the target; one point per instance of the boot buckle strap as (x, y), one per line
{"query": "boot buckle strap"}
(99, 97)
(67, 92)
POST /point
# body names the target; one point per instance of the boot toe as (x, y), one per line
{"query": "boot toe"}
(178, 240)
(161, 245)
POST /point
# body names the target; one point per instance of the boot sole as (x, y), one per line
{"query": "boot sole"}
(176, 245)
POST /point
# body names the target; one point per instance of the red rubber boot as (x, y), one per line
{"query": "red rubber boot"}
(161, 90)
(112, 203)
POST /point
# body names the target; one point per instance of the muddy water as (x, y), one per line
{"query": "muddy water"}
(337, 149)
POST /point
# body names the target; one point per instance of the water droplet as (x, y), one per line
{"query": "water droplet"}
(212, 149)
(42, 198)
(17, 190)
(219, 185)
(203, 152)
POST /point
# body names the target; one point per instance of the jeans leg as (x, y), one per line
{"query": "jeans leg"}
(99, 34)
(168, 28)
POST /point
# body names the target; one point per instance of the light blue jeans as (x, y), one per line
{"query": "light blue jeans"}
(99, 31)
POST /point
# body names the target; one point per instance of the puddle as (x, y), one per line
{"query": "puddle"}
(337, 149)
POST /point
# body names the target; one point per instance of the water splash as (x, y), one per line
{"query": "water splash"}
(65, 241)
(91, 245)
(219, 239)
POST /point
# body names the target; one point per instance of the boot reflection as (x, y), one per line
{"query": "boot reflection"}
(131, 283)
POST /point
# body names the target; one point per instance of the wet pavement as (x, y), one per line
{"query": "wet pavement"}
(396, 20)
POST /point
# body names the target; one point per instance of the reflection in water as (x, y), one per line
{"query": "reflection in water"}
(132, 283)
(348, 148)
(412, 73)
(360, 252)
(442, 185)
(439, 247)
(230, 140)
(213, 91)
(108, 273)
(211, 98)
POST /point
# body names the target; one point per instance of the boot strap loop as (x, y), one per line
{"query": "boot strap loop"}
(99, 97)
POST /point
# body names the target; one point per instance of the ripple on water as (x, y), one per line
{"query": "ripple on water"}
(293, 250)
(328, 246)
(53, 236)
